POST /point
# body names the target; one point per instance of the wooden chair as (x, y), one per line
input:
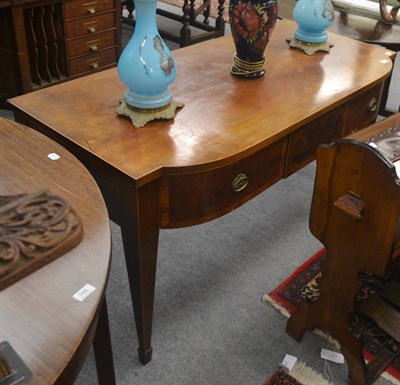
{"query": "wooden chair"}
(355, 213)
(189, 19)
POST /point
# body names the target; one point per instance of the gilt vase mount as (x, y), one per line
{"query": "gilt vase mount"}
(313, 18)
(147, 67)
(252, 23)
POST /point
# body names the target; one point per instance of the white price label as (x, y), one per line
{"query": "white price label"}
(289, 362)
(332, 356)
(53, 156)
(84, 292)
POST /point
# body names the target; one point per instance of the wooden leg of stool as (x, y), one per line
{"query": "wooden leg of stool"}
(102, 349)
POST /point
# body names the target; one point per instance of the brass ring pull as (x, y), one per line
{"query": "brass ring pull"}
(373, 104)
(240, 182)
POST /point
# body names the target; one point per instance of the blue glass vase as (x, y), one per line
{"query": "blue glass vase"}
(147, 66)
(313, 18)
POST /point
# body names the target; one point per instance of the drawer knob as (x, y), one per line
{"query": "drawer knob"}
(94, 63)
(93, 45)
(90, 7)
(373, 104)
(240, 182)
(91, 27)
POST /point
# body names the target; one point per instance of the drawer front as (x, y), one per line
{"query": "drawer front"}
(363, 110)
(90, 25)
(91, 44)
(93, 62)
(81, 8)
(304, 142)
(196, 198)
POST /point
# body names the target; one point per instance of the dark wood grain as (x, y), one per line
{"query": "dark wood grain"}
(180, 172)
(34, 36)
(355, 213)
(51, 331)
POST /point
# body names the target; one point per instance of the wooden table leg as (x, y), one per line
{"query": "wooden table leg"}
(102, 348)
(140, 230)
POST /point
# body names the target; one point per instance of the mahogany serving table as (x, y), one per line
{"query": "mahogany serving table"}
(50, 330)
(233, 139)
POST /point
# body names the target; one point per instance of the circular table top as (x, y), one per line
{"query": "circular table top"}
(39, 317)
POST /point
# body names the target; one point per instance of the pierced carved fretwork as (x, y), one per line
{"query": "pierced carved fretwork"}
(35, 229)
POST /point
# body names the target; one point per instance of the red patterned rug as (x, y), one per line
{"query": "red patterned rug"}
(281, 377)
(303, 285)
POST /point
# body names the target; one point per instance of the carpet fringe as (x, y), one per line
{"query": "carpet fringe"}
(389, 377)
(283, 311)
(327, 337)
(306, 375)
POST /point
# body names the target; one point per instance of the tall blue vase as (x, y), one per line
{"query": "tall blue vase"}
(313, 18)
(147, 66)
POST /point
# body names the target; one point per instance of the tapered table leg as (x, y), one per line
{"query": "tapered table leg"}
(102, 348)
(140, 231)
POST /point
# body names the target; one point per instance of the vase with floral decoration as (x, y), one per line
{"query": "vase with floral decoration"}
(252, 23)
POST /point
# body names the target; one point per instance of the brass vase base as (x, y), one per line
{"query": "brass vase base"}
(246, 69)
(140, 117)
(309, 48)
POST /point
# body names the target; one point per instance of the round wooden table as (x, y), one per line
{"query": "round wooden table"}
(50, 330)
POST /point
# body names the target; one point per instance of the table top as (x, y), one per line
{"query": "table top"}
(224, 118)
(38, 315)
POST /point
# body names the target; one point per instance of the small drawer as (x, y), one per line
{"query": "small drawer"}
(80, 8)
(363, 110)
(189, 199)
(92, 62)
(303, 142)
(90, 25)
(91, 44)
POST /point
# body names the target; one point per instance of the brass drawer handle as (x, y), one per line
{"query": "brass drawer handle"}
(373, 104)
(91, 27)
(240, 182)
(93, 44)
(94, 63)
(90, 7)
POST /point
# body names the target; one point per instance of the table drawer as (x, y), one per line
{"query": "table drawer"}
(90, 25)
(190, 199)
(93, 62)
(91, 43)
(80, 8)
(304, 142)
(363, 110)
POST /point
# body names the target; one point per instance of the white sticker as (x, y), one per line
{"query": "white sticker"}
(289, 362)
(84, 292)
(53, 156)
(332, 356)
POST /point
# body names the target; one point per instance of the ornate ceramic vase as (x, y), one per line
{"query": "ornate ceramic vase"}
(252, 23)
(313, 18)
(146, 65)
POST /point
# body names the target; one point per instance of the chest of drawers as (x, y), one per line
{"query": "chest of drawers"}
(46, 42)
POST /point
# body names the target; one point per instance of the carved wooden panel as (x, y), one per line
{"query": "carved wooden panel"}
(35, 229)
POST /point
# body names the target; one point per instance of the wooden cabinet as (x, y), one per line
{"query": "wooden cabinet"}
(47, 42)
(194, 198)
